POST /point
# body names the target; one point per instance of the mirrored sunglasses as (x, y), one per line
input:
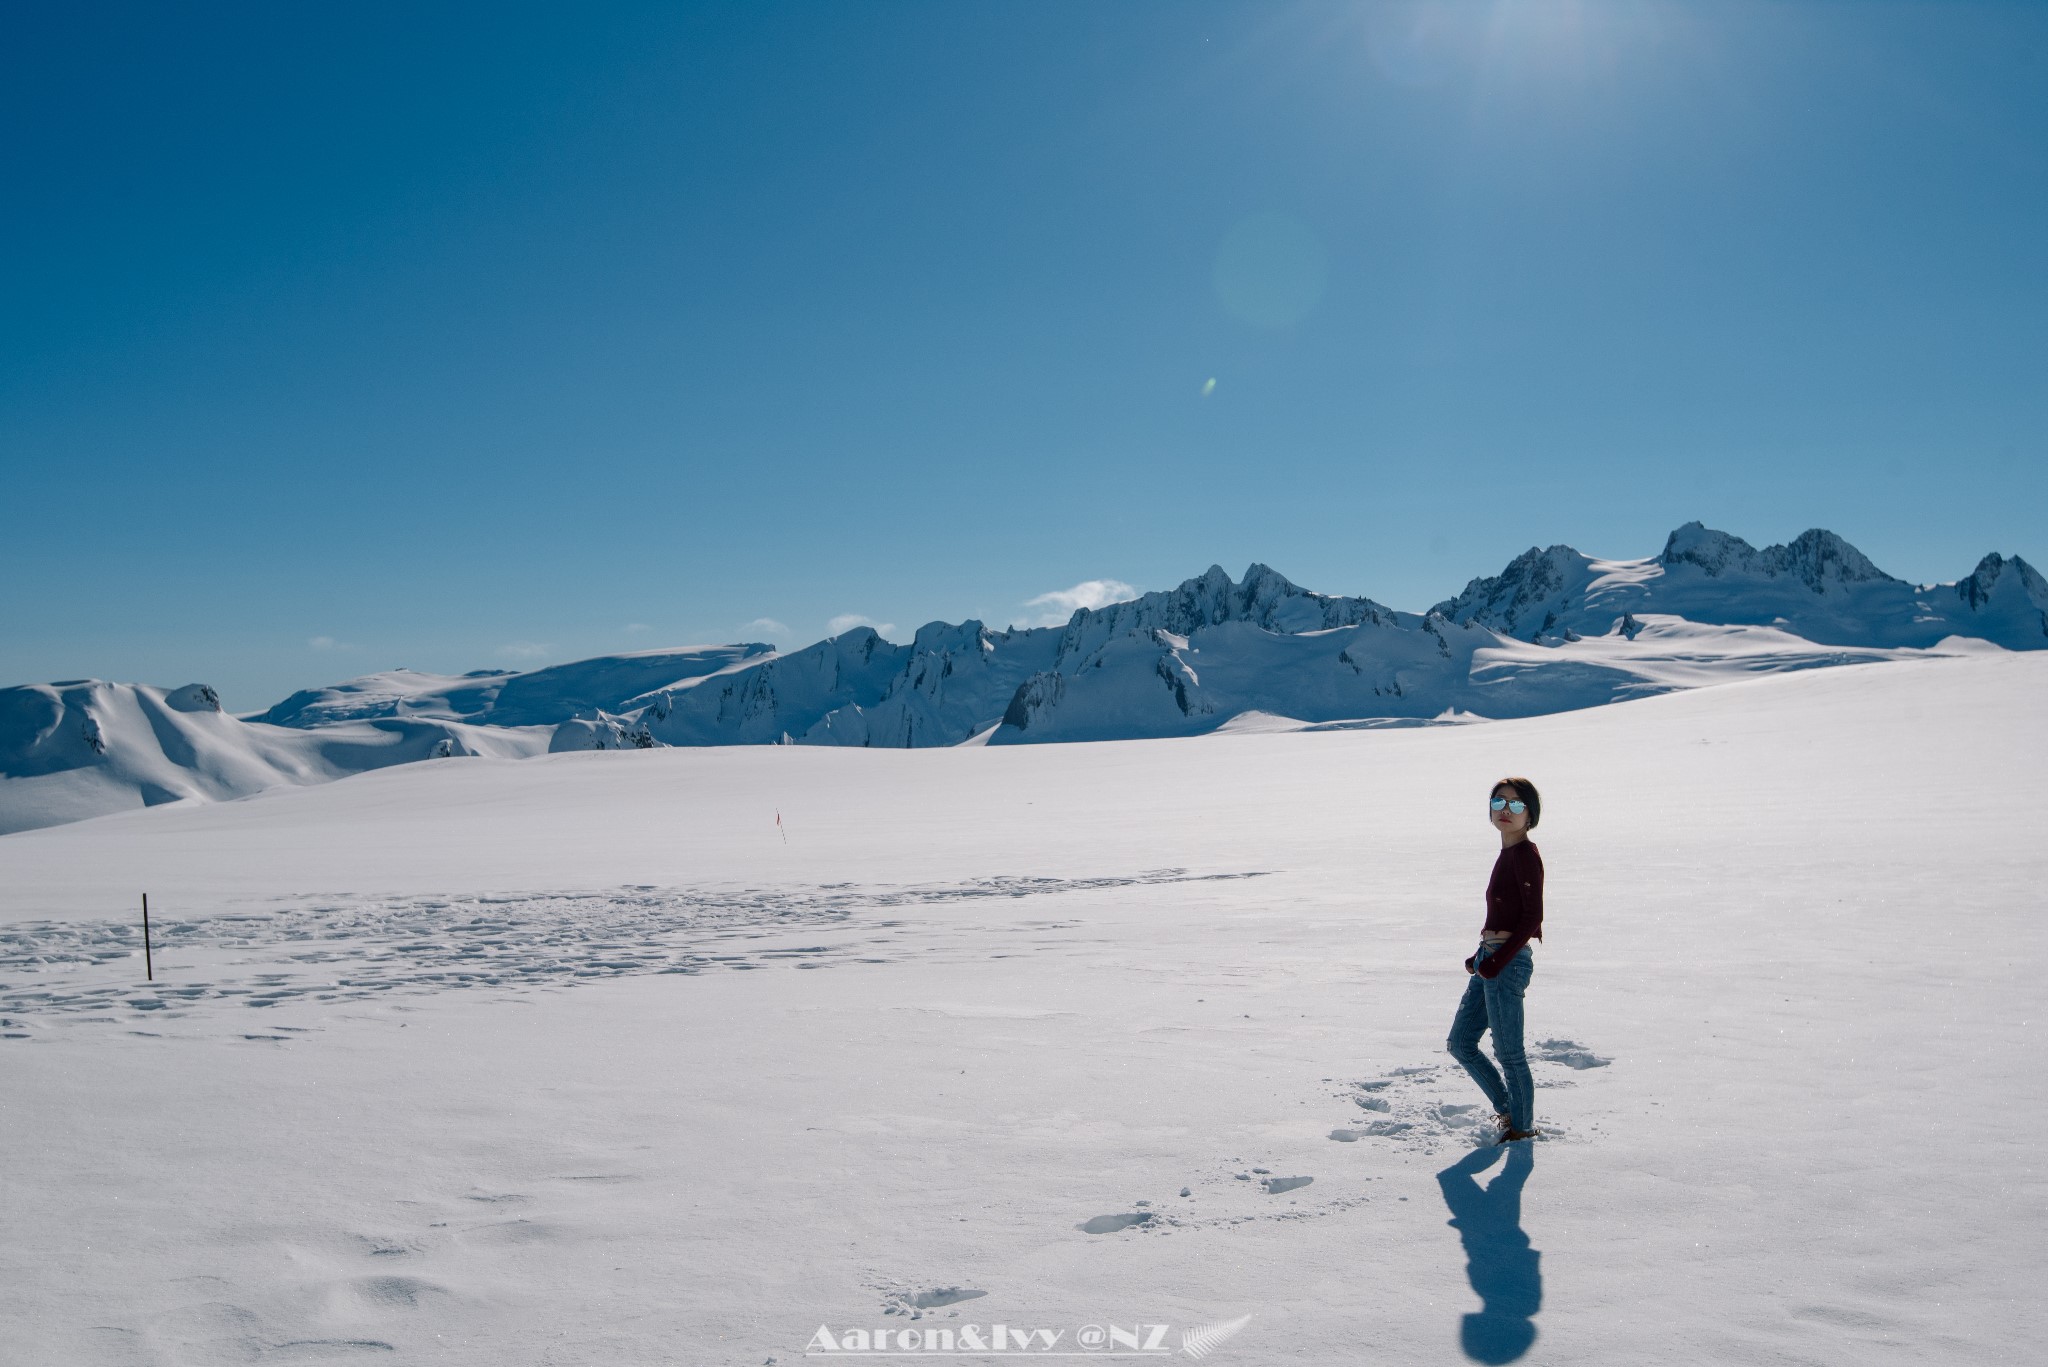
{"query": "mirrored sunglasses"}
(1516, 807)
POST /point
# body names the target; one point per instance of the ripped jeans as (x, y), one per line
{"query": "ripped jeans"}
(1496, 1005)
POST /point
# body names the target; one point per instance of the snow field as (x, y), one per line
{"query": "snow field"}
(574, 1060)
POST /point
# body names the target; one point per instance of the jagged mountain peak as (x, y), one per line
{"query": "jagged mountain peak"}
(1979, 587)
(1712, 551)
(1817, 558)
(1265, 598)
(1258, 573)
(1525, 599)
(951, 635)
(2009, 597)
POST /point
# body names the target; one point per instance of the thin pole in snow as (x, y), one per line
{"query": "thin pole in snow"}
(148, 965)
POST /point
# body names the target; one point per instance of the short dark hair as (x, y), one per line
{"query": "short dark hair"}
(1526, 791)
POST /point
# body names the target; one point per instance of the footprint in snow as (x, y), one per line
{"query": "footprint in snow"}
(1414, 1111)
(1570, 1053)
(386, 1292)
(944, 1295)
(1110, 1224)
(915, 1303)
(324, 1350)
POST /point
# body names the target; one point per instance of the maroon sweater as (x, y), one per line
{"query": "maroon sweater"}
(1514, 903)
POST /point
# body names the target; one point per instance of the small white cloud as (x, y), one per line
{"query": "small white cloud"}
(764, 626)
(524, 650)
(635, 628)
(328, 643)
(847, 621)
(1056, 607)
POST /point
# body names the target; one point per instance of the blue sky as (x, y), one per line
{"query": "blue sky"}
(340, 338)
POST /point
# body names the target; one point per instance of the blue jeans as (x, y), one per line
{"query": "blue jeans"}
(1496, 1005)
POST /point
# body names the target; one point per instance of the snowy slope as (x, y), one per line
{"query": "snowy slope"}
(584, 1060)
(389, 693)
(85, 748)
(505, 698)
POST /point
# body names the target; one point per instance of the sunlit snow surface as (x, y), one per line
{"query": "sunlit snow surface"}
(583, 1058)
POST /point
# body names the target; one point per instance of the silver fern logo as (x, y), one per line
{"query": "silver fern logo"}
(1199, 1343)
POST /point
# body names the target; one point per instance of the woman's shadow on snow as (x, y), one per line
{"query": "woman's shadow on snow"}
(1499, 1260)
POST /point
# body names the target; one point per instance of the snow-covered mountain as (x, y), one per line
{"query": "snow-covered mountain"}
(85, 748)
(858, 689)
(1554, 631)
(1819, 587)
(503, 697)
(1268, 654)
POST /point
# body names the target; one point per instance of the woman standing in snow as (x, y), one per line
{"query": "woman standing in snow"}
(1503, 964)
